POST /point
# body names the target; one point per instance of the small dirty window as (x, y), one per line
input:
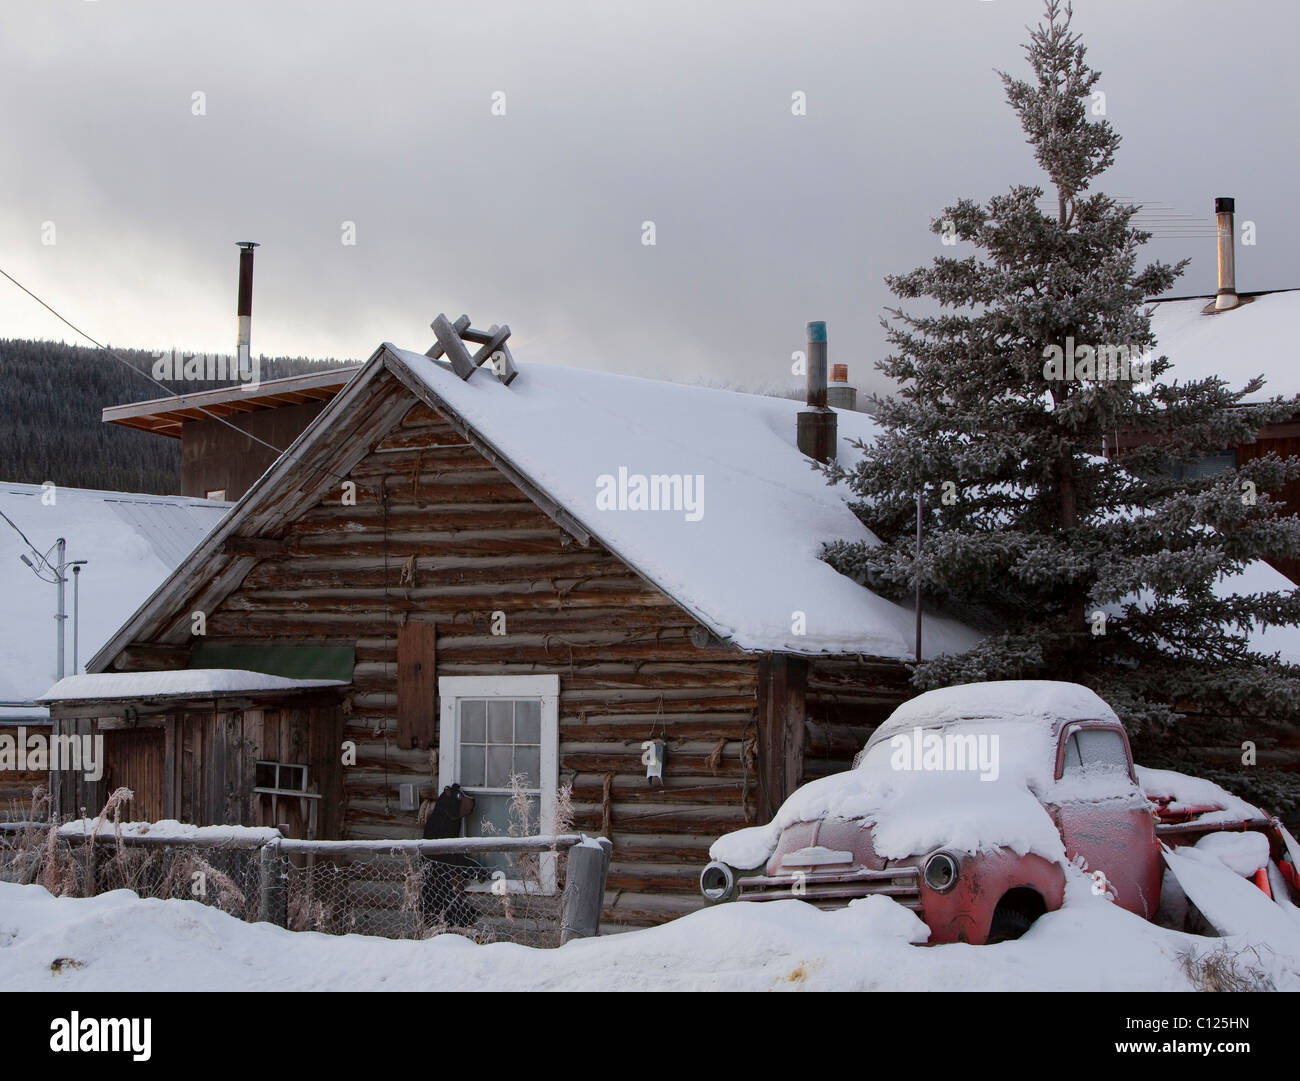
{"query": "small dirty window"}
(1089, 749)
(280, 777)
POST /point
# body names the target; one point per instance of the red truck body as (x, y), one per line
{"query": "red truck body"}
(1071, 763)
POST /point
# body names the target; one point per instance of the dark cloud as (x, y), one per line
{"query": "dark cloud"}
(676, 113)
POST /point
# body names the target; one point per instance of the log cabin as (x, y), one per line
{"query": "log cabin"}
(588, 580)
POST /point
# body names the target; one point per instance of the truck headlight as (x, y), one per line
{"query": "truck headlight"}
(940, 872)
(718, 882)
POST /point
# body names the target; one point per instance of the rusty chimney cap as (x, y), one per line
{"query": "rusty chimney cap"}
(817, 331)
(839, 373)
(1225, 204)
(247, 245)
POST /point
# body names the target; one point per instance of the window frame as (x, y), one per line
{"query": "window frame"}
(1068, 730)
(546, 688)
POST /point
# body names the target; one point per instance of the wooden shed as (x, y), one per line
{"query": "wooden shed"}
(542, 577)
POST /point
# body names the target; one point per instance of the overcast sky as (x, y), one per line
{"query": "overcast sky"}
(381, 114)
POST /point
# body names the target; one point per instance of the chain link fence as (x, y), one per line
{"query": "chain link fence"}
(497, 889)
(407, 894)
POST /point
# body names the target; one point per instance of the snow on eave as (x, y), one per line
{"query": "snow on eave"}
(184, 683)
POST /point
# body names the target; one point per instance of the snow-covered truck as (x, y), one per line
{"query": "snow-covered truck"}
(970, 804)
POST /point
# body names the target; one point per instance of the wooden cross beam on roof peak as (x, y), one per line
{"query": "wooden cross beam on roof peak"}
(491, 347)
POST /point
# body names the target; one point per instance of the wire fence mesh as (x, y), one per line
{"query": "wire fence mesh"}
(406, 894)
(334, 888)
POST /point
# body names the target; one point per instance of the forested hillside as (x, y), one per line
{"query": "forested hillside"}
(51, 395)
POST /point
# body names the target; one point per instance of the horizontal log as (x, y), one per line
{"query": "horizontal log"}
(424, 436)
(432, 488)
(660, 818)
(347, 626)
(480, 652)
(145, 657)
(645, 700)
(665, 878)
(323, 574)
(636, 791)
(625, 908)
(261, 547)
(383, 682)
(437, 600)
(402, 520)
(465, 543)
(813, 768)
(678, 763)
(421, 415)
(668, 848)
(836, 741)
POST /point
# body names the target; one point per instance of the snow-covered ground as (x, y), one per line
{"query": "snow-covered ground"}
(117, 942)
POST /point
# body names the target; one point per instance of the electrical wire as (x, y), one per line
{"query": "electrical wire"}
(140, 372)
(43, 557)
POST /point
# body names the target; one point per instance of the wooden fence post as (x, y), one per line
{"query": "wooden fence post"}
(273, 904)
(585, 872)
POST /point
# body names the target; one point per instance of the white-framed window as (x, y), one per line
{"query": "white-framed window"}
(491, 727)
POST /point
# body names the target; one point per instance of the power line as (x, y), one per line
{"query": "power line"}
(42, 556)
(142, 373)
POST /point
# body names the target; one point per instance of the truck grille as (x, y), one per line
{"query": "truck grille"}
(834, 889)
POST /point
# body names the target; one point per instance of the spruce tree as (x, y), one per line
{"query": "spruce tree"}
(1079, 562)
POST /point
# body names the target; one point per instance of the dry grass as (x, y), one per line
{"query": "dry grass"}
(189, 869)
(1225, 969)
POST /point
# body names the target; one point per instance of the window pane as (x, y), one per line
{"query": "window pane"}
(498, 766)
(528, 721)
(528, 761)
(500, 715)
(1072, 762)
(1095, 749)
(471, 721)
(1101, 749)
(489, 811)
(471, 765)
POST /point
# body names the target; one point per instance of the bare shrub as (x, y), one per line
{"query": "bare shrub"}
(1225, 969)
(189, 869)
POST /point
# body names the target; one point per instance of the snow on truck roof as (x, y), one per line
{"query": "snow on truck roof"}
(1041, 702)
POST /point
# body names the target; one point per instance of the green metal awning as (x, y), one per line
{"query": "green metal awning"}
(293, 662)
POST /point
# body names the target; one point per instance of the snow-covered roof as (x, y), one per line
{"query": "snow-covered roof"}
(132, 542)
(748, 566)
(1257, 338)
(187, 683)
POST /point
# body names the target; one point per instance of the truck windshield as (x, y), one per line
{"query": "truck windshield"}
(1090, 749)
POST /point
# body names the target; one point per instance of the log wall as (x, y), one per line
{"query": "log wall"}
(438, 536)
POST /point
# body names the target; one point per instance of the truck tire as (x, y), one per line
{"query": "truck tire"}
(1014, 915)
